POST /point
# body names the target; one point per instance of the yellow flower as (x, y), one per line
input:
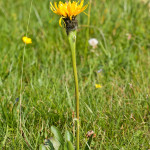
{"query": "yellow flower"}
(68, 9)
(98, 86)
(26, 40)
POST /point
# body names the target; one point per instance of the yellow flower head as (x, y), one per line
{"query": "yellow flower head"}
(68, 9)
(98, 86)
(26, 40)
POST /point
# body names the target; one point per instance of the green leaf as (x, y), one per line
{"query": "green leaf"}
(68, 136)
(65, 146)
(57, 134)
(42, 147)
(68, 146)
(55, 142)
(50, 144)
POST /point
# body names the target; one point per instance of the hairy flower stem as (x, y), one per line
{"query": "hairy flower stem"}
(72, 41)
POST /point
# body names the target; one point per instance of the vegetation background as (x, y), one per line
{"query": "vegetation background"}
(118, 112)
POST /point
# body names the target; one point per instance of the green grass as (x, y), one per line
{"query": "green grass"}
(118, 113)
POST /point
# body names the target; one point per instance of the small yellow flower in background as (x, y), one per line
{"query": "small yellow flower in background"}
(67, 10)
(98, 86)
(26, 40)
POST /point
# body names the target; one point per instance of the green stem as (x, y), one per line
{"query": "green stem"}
(72, 41)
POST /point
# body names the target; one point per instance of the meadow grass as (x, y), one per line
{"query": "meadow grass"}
(118, 112)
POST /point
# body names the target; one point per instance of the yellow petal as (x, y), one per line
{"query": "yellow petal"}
(27, 40)
(55, 4)
(69, 9)
(81, 4)
(83, 8)
(52, 7)
(60, 21)
(98, 86)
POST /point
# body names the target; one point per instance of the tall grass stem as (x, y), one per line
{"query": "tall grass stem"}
(22, 69)
(87, 31)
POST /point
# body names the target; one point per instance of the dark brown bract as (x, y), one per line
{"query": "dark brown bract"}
(70, 25)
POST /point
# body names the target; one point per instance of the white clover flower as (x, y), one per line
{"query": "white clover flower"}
(93, 42)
